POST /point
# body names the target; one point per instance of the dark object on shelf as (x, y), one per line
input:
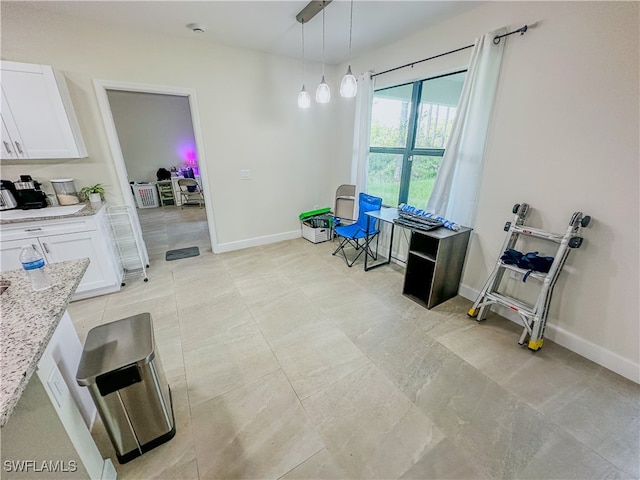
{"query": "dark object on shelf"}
(319, 221)
(188, 172)
(163, 174)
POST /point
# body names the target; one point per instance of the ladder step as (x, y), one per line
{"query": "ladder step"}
(534, 232)
(537, 275)
(511, 303)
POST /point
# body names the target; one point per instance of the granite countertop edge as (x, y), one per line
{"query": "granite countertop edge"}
(88, 210)
(66, 276)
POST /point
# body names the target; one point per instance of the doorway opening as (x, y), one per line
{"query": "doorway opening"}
(154, 133)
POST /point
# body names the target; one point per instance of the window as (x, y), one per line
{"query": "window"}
(410, 125)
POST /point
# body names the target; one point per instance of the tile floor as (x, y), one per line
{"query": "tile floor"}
(284, 363)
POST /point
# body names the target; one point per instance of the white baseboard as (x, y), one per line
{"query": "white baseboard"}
(257, 241)
(600, 355)
(97, 292)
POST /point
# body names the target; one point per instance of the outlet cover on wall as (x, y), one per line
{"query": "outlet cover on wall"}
(245, 174)
(57, 386)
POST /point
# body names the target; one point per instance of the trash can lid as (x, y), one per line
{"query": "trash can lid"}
(115, 345)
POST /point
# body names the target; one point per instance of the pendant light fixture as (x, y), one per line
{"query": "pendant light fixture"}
(304, 99)
(323, 93)
(349, 85)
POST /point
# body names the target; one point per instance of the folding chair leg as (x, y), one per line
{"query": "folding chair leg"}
(365, 247)
(341, 245)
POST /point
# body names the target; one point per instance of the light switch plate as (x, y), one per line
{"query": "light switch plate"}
(57, 386)
(245, 174)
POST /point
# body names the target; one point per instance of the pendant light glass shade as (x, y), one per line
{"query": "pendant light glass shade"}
(304, 99)
(349, 85)
(323, 93)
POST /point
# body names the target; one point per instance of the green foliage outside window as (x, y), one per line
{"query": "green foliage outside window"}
(406, 152)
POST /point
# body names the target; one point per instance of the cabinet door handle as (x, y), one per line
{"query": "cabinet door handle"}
(32, 229)
(6, 147)
(18, 147)
(46, 249)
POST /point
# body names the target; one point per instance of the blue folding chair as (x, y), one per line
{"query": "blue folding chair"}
(364, 229)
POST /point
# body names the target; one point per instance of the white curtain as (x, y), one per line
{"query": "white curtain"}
(455, 192)
(362, 133)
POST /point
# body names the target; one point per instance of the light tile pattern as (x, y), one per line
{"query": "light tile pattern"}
(285, 363)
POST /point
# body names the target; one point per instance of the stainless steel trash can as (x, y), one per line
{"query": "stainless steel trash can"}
(124, 375)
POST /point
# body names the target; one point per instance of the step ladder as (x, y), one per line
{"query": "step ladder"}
(534, 317)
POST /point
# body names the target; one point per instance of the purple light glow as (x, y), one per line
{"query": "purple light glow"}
(187, 152)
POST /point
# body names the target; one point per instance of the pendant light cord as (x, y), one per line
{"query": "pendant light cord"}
(350, 28)
(323, 38)
(303, 54)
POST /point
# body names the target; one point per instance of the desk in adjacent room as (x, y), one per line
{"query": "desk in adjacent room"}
(434, 262)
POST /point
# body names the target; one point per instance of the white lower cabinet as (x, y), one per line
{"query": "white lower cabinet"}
(88, 237)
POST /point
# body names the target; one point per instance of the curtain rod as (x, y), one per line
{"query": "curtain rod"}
(496, 41)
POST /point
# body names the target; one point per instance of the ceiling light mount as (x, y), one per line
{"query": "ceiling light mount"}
(311, 10)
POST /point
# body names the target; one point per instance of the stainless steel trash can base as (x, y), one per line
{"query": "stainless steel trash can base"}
(122, 370)
(165, 437)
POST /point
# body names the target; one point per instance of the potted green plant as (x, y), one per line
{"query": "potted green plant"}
(93, 193)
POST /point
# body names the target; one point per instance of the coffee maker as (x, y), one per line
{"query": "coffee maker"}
(7, 195)
(28, 193)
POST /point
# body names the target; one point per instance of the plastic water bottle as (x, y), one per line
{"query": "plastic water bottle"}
(33, 263)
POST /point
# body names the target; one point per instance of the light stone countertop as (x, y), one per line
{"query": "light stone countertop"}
(28, 321)
(88, 210)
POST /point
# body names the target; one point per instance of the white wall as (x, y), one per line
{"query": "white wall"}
(564, 138)
(248, 112)
(155, 131)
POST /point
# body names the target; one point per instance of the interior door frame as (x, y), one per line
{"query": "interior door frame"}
(101, 87)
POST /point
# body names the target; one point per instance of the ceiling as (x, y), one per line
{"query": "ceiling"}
(271, 26)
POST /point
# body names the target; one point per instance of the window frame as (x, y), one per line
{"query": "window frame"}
(409, 150)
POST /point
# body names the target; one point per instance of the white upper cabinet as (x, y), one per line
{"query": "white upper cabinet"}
(8, 148)
(37, 114)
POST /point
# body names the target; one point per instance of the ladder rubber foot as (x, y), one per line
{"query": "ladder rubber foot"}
(535, 345)
(473, 312)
